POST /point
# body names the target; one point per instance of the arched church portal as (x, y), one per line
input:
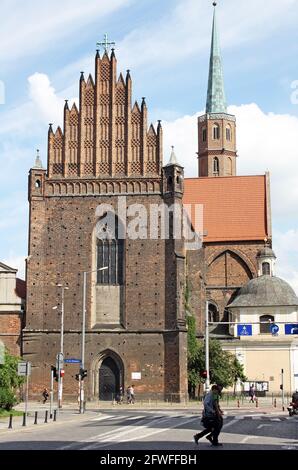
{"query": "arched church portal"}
(108, 376)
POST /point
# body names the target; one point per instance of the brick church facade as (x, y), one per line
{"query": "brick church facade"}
(135, 309)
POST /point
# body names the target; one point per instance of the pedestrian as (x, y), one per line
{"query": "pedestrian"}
(132, 394)
(45, 395)
(119, 396)
(212, 417)
(252, 394)
(128, 395)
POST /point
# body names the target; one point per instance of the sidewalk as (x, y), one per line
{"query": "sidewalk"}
(68, 413)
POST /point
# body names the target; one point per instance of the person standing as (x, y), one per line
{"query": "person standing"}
(252, 394)
(212, 419)
(132, 394)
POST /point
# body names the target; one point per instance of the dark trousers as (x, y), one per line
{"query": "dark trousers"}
(213, 427)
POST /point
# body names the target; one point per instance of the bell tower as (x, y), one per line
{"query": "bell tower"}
(216, 128)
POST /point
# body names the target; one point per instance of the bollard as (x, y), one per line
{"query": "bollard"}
(10, 422)
(238, 403)
(46, 417)
(257, 403)
(274, 402)
(35, 418)
(24, 419)
(55, 415)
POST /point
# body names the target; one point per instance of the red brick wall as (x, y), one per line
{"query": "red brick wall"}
(10, 332)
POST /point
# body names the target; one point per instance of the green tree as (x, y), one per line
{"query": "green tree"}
(225, 368)
(10, 382)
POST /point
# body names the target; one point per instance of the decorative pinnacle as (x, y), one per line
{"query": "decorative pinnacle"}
(38, 163)
(214, 4)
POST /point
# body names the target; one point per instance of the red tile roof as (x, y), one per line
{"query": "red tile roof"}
(234, 208)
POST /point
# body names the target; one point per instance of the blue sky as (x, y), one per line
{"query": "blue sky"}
(165, 44)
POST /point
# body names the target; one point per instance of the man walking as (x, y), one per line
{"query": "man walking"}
(212, 417)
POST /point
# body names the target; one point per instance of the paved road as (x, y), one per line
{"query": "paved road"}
(132, 429)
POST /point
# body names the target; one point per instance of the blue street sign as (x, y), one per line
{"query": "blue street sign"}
(244, 330)
(274, 329)
(291, 329)
(72, 361)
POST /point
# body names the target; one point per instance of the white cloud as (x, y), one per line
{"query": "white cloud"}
(32, 116)
(44, 98)
(286, 250)
(29, 27)
(16, 262)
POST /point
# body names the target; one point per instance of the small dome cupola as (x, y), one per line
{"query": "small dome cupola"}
(266, 261)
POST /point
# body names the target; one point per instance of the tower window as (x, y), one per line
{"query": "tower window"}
(216, 166)
(110, 254)
(228, 133)
(216, 132)
(37, 184)
(266, 269)
(204, 135)
(265, 323)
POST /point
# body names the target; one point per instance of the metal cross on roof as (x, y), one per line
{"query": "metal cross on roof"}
(105, 43)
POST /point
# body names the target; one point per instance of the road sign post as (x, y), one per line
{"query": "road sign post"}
(244, 330)
(51, 393)
(282, 390)
(291, 328)
(59, 366)
(24, 370)
(274, 329)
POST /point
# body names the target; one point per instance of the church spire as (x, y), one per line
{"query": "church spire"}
(216, 100)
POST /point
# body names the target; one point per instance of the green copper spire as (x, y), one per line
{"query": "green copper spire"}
(216, 100)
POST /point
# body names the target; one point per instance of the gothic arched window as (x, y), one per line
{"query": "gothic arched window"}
(110, 254)
(265, 322)
(216, 166)
(266, 269)
(216, 132)
(213, 313)
(204, 134)
(228, 133)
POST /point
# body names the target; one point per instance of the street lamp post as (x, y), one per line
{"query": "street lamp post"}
(207, 383)
(61, 353)
(81, 379)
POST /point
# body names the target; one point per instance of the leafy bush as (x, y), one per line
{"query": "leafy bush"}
(10, 382)
(7, 399)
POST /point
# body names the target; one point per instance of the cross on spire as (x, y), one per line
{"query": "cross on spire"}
(105, 43)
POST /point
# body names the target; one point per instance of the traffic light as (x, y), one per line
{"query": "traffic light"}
(203, 374)
(55, 374)
(82, 374)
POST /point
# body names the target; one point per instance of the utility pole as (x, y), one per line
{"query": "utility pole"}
(83, 344)
(60, 356)
(82, 367)
(207, 383)
(282, 390)
(51, 393)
